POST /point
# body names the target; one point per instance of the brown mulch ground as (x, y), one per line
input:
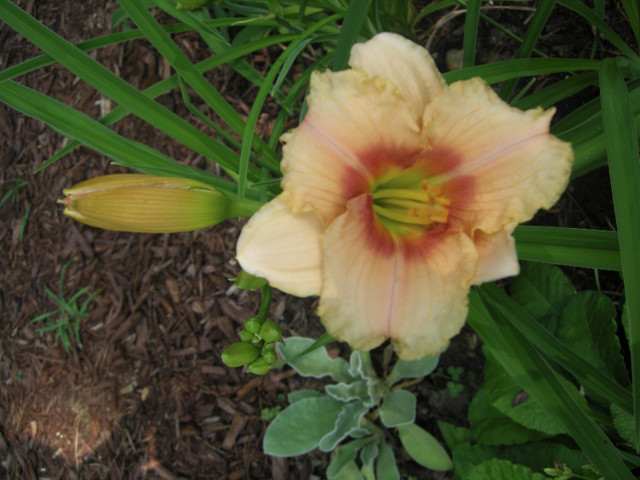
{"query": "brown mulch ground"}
(147, 395)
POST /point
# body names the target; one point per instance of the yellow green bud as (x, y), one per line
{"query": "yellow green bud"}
(270, 332)
(259, 366)
(246, 336)
(238, 354)
(150, 204)
(269, 354)
(253, 324)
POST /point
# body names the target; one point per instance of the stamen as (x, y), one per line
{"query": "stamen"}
(405, 209)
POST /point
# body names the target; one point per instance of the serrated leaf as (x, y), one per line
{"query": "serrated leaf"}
(386, 467)
(416, 369)
(491, 427)
(300, 427)
(588, 324)
(498, 469)
(347, 421)
(398, 408)
(317, 363)
(624, 423)
(454, 435)
(542, 290)
(466, 456)
(505, 394)
(424, 448)
(539, 455)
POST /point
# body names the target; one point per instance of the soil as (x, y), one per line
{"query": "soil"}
(146, 395)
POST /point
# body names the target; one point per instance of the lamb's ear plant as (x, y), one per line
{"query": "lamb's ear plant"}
(353, 414)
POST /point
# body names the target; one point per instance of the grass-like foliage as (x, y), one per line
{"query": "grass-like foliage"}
(65, 320)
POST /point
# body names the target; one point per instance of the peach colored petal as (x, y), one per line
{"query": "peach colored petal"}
(497, 257)
(516, 167)
(356, 128)
(375, 287)
(284, 248)
(404, 63)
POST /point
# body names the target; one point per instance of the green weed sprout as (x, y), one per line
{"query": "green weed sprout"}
(13, 190)
(358, 405)
(66, 318)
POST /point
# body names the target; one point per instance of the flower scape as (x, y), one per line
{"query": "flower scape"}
(399, 193)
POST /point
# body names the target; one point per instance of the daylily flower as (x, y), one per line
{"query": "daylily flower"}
(399, 193)
(150, 204)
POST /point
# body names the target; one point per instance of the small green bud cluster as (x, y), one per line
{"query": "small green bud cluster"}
(257, 348)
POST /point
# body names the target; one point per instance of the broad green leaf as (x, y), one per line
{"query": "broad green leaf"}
(368, 454)
(317, 363)
(348, 420)
(347, 392)
(398, 408)
(342, 456)
(416, 369)
(350, 472)
(542, 290)
(424, 448)
(386, 467)
(588, 324)
(297, 395)
(299, 428)
(505, 395)
(360, 365)
(497, 469)
(491, 427)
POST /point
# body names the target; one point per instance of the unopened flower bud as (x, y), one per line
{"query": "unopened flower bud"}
(150, 204)
(253, 324)
(269, 354)
(270, 332)
(259, 366)
(238, 354)
(246, 336)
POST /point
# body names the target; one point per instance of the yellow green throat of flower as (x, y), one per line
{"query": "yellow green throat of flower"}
(406, 203)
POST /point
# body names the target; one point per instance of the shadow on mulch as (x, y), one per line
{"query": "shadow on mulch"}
(147, 395)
